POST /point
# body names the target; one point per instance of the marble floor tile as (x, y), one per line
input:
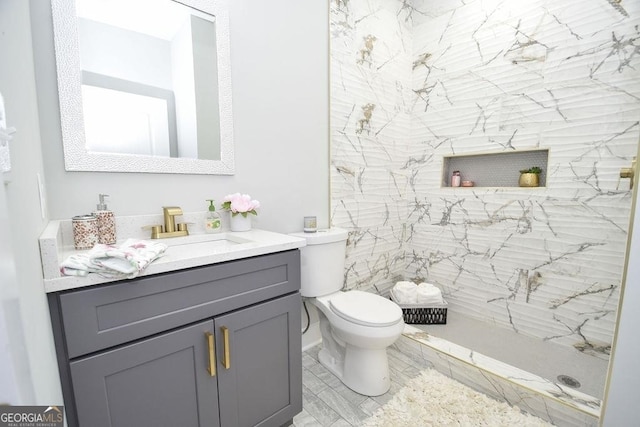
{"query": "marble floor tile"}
(347, 410)
(317, 408)
(329, 403)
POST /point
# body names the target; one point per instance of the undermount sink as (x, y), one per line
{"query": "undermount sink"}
(204, 240)
(202, 243)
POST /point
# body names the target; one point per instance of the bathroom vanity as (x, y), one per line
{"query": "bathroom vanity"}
(217, 344)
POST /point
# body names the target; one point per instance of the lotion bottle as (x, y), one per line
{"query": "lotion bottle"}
(455, 179)
(213, 222)
(106, 222)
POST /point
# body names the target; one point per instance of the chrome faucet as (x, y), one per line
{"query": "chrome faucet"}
(170, 228)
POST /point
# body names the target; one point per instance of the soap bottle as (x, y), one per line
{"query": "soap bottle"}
(213, 223)
(106, 222)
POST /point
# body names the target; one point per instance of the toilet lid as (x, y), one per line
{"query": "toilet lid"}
(365, 308)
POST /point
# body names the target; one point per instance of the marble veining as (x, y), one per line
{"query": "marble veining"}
(414, 81)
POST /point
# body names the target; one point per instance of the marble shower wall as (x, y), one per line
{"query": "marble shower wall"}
(503, 76)
(371, 106)
(415, 81)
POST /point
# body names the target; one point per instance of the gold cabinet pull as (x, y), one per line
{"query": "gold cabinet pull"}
(212, 353)
(226, 360)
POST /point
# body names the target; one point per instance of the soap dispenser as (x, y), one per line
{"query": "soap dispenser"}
(213, 223)
(106, 222)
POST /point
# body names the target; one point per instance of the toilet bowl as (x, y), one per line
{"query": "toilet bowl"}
(355, 337)
(356, 326)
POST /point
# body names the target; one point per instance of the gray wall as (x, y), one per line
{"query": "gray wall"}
(280, 111)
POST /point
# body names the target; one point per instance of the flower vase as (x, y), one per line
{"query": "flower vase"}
(240, 223)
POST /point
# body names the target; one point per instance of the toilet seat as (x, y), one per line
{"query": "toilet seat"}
(365, 308)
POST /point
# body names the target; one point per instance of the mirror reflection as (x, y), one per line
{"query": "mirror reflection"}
(149, 78)
(144, 85)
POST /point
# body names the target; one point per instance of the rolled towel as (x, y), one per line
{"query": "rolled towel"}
(405, 292)
(428, 294)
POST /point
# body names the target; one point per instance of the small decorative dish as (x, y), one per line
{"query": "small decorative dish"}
(467, 183)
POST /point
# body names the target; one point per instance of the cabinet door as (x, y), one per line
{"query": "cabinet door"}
(160, 381)
(260, 364)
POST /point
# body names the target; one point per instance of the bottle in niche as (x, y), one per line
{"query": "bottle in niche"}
(213, 222)
(106, 222)
(455, 179)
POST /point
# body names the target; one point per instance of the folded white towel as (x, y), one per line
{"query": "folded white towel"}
(77, 265)
(405, 292)
(428, 294)
(124, 261)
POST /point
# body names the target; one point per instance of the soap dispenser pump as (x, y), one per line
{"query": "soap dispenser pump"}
(213, 223)
(106, 222)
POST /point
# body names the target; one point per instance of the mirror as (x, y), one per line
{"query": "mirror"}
(144, 85)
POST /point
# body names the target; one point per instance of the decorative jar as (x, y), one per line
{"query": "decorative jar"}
(529, 180)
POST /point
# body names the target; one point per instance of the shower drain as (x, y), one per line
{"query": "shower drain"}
(569, 381)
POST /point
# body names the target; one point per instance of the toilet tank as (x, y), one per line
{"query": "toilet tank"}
(322, 261)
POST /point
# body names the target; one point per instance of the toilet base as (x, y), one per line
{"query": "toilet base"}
(364, 371)
(328, 361)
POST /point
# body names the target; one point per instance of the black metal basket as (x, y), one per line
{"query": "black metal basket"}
(423, 315)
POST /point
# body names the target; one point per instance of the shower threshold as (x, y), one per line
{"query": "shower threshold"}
(531, 393)
(543, 358)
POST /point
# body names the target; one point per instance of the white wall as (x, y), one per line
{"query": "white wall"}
(38, 380)
(620, 407)
(17, 386)
(124, 54)
(279, 61)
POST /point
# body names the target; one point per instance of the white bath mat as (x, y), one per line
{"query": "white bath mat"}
(433, 399)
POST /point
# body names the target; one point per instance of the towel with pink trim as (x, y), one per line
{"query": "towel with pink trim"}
(125, 261)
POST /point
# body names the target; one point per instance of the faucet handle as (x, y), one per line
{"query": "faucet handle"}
(156, 230)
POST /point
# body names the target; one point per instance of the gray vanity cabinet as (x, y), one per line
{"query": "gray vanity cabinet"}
(257, 378)
(161, 381)
(211, 346)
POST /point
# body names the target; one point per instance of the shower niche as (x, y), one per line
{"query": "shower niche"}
(495, 169)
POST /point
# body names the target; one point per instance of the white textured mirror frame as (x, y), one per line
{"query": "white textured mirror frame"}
(76, 156)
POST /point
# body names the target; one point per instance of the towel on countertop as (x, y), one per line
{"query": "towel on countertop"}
(428, 294)
(405, 292)
(125, 261)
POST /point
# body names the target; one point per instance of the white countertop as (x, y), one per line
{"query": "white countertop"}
(182, 253)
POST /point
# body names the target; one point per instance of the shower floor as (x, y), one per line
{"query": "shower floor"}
(543, 358)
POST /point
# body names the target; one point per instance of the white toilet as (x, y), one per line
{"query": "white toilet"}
(356, 327)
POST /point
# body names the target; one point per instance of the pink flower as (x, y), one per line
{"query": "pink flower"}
(240, 204)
